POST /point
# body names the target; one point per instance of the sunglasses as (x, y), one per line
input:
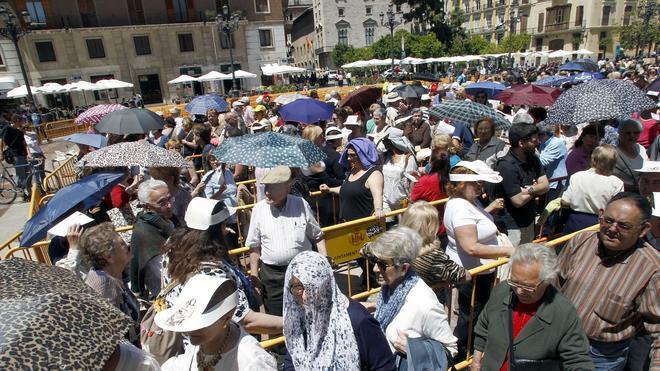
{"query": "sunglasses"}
(373, 260)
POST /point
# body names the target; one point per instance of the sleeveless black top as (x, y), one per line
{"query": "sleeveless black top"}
(355, 197)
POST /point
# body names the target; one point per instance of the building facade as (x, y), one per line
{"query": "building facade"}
(145, 42)
(553, 24)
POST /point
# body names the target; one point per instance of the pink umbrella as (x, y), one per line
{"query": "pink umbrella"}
(95, 114)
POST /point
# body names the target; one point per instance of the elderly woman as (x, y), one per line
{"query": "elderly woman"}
(590, 190)
(631, 154)
(217, 342)
(108, 255)
(579, 158)
(323, 328)
(486, 144)
(380, 120)
(528, 320)
(472, 236)
(407, 307)
(421, 135)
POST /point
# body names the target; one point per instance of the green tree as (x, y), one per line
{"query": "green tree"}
(426, 46)
(431, 13)
(339, 54)
(359, 54)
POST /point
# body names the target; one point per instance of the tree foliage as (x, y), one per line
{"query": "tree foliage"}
(431, 13)
(339, 54)
(638, 34)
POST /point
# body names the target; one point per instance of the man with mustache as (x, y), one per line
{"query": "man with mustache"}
(612, 276)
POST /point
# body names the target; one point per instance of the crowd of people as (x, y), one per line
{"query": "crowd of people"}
(591, 304)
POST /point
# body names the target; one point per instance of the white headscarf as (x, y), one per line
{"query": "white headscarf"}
(330, 340)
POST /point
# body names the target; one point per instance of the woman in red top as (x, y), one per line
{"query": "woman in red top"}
(432, 187)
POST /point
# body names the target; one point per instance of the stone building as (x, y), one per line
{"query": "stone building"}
(145, 42)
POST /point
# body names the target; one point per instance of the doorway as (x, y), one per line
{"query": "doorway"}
(150, 88)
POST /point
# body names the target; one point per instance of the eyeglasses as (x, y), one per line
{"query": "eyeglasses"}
(164, 202)
(297, 289)
(607, 222)
(525, 288)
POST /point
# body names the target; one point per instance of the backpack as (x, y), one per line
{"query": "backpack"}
(162, 344)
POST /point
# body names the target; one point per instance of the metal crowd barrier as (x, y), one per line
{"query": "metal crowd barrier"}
(62, 176)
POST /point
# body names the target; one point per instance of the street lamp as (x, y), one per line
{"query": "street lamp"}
(513, 19)
(391, 23)
(228, 23)
(14, 32)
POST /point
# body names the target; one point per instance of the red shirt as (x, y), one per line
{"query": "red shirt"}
(649, 131)
(428, 189)
(522, 313)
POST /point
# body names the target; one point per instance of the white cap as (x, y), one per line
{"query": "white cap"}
(483, 173)
(190, 312)
(352, 120)
(649, 167)
(426, 97)
(199, 213)
(238, 103)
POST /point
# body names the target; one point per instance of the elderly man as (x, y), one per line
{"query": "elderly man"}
(238, 108)
(545, 325)
(152, 228)
(281, 226)
(248, 112)
(613, 278)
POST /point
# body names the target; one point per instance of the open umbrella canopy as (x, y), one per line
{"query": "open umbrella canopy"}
(113, 84)
(94, 115)
(579, 65)
(598, 100)
(269, 150)
(21, 92)
(586, 76)
(133, 154)
(213, 76)
(130, 121)
(530, 95)
(288, 98)
(92, 140)
(50, 88)
(411, 90)
(52, 320)
(280, 69)
(203, 103)
(307, 111)
(360, 99)
(488, 87)
(80, 195)
(555, 81)
(240, 74)
(468, 112)
(84, 86)
(182, 79)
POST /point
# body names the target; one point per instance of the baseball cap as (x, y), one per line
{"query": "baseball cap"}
(259, 108)
(199, 214)
(195, 309)
(277, 175)
(483, 173)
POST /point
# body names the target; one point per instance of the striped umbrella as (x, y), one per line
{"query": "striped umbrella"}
(95, 114)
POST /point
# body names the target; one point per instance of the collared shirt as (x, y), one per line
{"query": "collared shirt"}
(614, 296)
(282, 233)
(553, 158)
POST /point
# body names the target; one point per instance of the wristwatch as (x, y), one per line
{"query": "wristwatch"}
(530, 190)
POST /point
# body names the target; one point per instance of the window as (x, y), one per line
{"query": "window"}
(477, 5)
(87, 13)
(627, 11)
(136, 11)
(489, 4)
(142, 45)
(261, 6)
(540, 27)
(36, 11)
(226, 42)
(605, 20)
(579, 15)
(467, 6)
(45, 51)
(95, 48)
(180, 10)
(523, 24)
(340, 12)
(368, 10)
(489, 23)
(265, 38)
(342, 36)
(369, 35)
(539, 44)
(186, 42)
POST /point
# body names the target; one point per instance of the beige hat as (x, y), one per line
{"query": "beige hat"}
(174, 110)
(352, 120)
(392, 97)
(278, 175)
(245, 100)
(159, 113)
(237, 103)
(260, 125)
(483, 173)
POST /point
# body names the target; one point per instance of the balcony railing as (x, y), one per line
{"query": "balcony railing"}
(556, 27)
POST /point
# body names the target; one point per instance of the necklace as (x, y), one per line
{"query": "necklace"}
(204, 362)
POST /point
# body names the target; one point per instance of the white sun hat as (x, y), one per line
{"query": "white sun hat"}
(483, 173)
(199, 214)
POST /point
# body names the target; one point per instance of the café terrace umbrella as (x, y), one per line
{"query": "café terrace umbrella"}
(410, 90)
(468, 112)
(52, 320)
(94, 115)
(130, 121)
(530, 95)
(92, 140)
(133, 154)
(81, 195)
(307, 111)
(360, 99)
(269, 150)
(203, 103)
(182, 79)
(488, 87)
(598, 100)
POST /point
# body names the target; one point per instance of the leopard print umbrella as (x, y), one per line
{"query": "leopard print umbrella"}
(51, 320)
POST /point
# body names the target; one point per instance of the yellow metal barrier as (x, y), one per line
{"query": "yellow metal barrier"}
(62, 176)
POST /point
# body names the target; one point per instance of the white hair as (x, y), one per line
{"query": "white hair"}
(401, 244)
(147, 187)
(531, 253)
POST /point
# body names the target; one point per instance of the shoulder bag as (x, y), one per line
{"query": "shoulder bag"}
(162, 344)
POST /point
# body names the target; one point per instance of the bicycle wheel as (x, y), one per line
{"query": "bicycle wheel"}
(8, 191)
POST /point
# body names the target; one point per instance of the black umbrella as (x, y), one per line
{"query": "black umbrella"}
(410, 91)
(130, 121)
(598, 100)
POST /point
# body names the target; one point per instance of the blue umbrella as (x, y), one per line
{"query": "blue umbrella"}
(586, 76)
(555, 81)
(307, 111)
(579, 65)
(92, 140)
(80, 195)
(490, 88)
(203, 103)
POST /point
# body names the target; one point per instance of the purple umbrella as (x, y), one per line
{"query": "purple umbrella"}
(307, 111)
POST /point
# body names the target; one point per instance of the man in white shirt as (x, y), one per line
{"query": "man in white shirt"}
(281, 226)
(178, 128)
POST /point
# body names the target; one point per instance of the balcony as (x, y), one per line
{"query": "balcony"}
(557, 27)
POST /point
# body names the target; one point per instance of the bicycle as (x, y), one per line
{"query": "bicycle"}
(11, 188)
